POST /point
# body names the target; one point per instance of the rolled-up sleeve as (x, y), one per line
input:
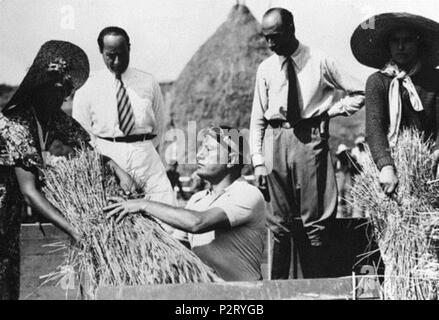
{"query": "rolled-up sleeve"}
(241, 210)
(81, 109)
(81, 112)
(353, 90)
(258, 122)
(158, 107)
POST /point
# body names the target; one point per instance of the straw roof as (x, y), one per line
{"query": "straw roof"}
(217, 84)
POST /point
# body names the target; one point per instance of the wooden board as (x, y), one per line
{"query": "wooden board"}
(38, 259)
(303, 289)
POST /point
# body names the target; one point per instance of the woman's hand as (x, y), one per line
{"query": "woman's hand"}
(59, 149)
(126, 182)
(260, 173)
(274, 223)
(123, 207)
(435, 163)
(388, 180)
(76, 238)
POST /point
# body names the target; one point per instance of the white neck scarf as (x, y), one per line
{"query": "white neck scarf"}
(395, 105)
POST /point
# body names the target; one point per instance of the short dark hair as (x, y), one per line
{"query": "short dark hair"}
(112, 30)
(286, 16)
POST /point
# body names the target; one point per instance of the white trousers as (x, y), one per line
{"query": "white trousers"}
(142, 162)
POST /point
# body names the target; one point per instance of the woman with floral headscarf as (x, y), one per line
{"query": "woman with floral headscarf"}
(32, 126)
(405, 90)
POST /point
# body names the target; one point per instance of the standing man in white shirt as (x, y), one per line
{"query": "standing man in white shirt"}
(122, 109)
(295, 96)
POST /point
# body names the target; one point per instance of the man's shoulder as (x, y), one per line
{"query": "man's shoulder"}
(314, 54)
(139, 72)
(141, 75)
(319, 56)
(95, 78)
(242, 183)
(99, 74)
(269, 62)
(244, 205)
(270, 59)
(242, 187)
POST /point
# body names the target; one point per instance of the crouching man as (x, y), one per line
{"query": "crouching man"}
(226, 223)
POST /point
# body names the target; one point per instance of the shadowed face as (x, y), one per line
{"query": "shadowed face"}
(403, 46)
(279, 36)
(51, 96)
(58, 85)
(116, 53)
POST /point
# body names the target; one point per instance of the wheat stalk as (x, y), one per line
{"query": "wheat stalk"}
(406, 225)
(135, 252)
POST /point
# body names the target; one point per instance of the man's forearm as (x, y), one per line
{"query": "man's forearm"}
(257, 133)
(352, 88)
(347, 106)
(179, 218)
(258, 123)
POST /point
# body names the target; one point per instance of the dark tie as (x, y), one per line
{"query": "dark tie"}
(293, 110)
(126, 116)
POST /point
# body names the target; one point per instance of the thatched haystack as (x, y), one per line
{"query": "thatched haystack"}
(217, 84)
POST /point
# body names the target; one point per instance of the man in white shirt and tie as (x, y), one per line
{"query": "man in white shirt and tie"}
(122, 109)
(297, 91)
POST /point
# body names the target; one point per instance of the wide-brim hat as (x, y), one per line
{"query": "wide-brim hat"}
(71, 59)
(369, 42)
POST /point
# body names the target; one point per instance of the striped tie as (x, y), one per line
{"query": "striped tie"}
(126, 116)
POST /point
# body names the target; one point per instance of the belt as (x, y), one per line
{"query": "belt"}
(279, 124)
(313, 121)
(131, 138)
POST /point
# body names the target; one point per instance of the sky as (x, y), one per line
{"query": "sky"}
(166, 33)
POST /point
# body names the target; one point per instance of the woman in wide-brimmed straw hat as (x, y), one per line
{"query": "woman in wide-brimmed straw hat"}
(405, 91)
(32, 125)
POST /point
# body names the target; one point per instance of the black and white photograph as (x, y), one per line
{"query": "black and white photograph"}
(219, 154)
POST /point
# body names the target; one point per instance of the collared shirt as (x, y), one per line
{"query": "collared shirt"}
(95, 105)
(321, 88)
(235, 253)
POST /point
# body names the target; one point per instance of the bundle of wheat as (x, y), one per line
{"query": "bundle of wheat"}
(406, 225)
(136, 251)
